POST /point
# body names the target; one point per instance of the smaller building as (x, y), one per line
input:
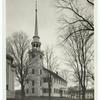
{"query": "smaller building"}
(58, 84)
(10, 72)
(90, 94)
(74, 93)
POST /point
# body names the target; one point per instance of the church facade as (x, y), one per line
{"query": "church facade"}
(38, 85)
(10, 72)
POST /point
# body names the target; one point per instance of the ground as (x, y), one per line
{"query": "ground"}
(42, 98)
(39, 98)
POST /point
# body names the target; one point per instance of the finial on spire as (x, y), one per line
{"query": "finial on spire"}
(36, 43)
(36, 22)
(35, 4)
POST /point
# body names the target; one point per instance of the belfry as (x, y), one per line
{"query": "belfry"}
(36, 43)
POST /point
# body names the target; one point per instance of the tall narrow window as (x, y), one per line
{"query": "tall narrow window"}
(27, 81)
(40, 71)
(32, 71)
(7, 87)
(32, 90)
(45, 79)
(54, 90)
(40, 82)
(32, 82)
(27, 91)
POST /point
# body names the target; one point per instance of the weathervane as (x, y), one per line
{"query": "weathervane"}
(36, 20)
(36, 4)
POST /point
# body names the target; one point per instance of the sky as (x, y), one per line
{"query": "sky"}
(20, 17)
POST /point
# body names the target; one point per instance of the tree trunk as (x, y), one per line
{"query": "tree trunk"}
(22, 90)
(49, 86)
(49, 92)
(83, 94)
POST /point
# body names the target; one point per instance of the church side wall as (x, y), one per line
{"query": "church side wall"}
(55, 86)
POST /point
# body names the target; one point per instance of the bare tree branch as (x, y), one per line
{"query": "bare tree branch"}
(90, 2)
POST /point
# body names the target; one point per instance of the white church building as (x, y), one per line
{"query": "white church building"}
(10, 72)
(38, 83)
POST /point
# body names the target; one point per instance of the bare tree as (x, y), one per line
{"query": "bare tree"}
(78, 26)
(75, 14)
(79, 55)
(50, 61)
(17, 46)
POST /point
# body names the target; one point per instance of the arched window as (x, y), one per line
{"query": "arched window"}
(34, 45)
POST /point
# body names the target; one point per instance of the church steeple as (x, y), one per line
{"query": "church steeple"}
(36, 39)
(36, 20)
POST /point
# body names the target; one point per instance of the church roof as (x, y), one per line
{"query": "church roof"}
(54, 74)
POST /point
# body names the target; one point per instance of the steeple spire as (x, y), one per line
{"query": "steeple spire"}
(36, 44)
(36, 20)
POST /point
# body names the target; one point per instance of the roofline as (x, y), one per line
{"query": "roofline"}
(53, 73)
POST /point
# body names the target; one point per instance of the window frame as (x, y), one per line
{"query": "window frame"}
(33, 82)
(27, 91)
(33, 90)
(33, 71)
